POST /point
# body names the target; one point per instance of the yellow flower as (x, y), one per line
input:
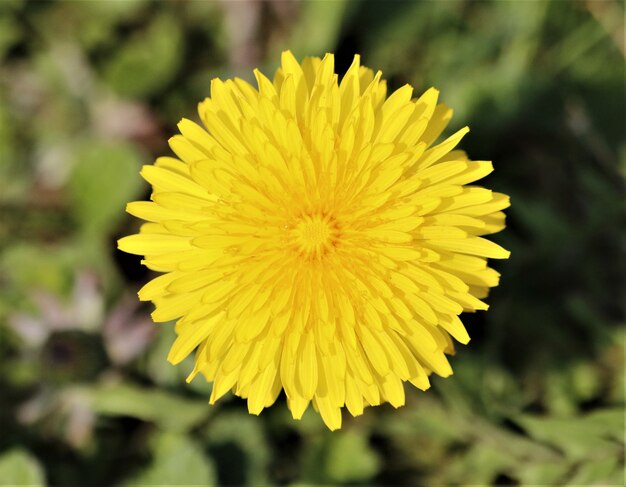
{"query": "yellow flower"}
(313, 239)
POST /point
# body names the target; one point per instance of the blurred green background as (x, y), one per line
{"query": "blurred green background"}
(91, 90)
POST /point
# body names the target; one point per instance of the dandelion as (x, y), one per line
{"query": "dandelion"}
(314, 239)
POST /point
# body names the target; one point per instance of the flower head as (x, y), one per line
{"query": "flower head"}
(313, 238)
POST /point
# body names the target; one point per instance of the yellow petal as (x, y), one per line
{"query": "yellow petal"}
(146, 244)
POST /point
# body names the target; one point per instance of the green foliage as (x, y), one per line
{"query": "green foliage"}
(315, 36)
(591, 446)
(349, 458)
(577, 437)
(177, 460)
(8, 168)
(104, 179)
(18, 467)
(91, 90)
(148, 405)
(148, 61)
(37, 268)
(9, 35)
(237, 443)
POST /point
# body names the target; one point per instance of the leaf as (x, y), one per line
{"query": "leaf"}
(480, 466)
(549, 473)
(161, 371)
(35, 267)
(319, 27)
(156, 365)
(18, 467)
(9, 34)
(238, 445)
(148, 61)
(599, 471)
(14, 174)
(577, 438)
(170, 412)
(178, 460)
(104, 179)
(429, 417)
(585, 381)
(96, 20)
(350, 458)
(608, 422)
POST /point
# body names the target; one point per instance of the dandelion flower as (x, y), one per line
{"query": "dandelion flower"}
(314, 238)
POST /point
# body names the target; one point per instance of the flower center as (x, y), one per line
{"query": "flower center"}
(315, 235)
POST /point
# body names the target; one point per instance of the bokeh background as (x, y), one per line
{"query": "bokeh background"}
(91, 90)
